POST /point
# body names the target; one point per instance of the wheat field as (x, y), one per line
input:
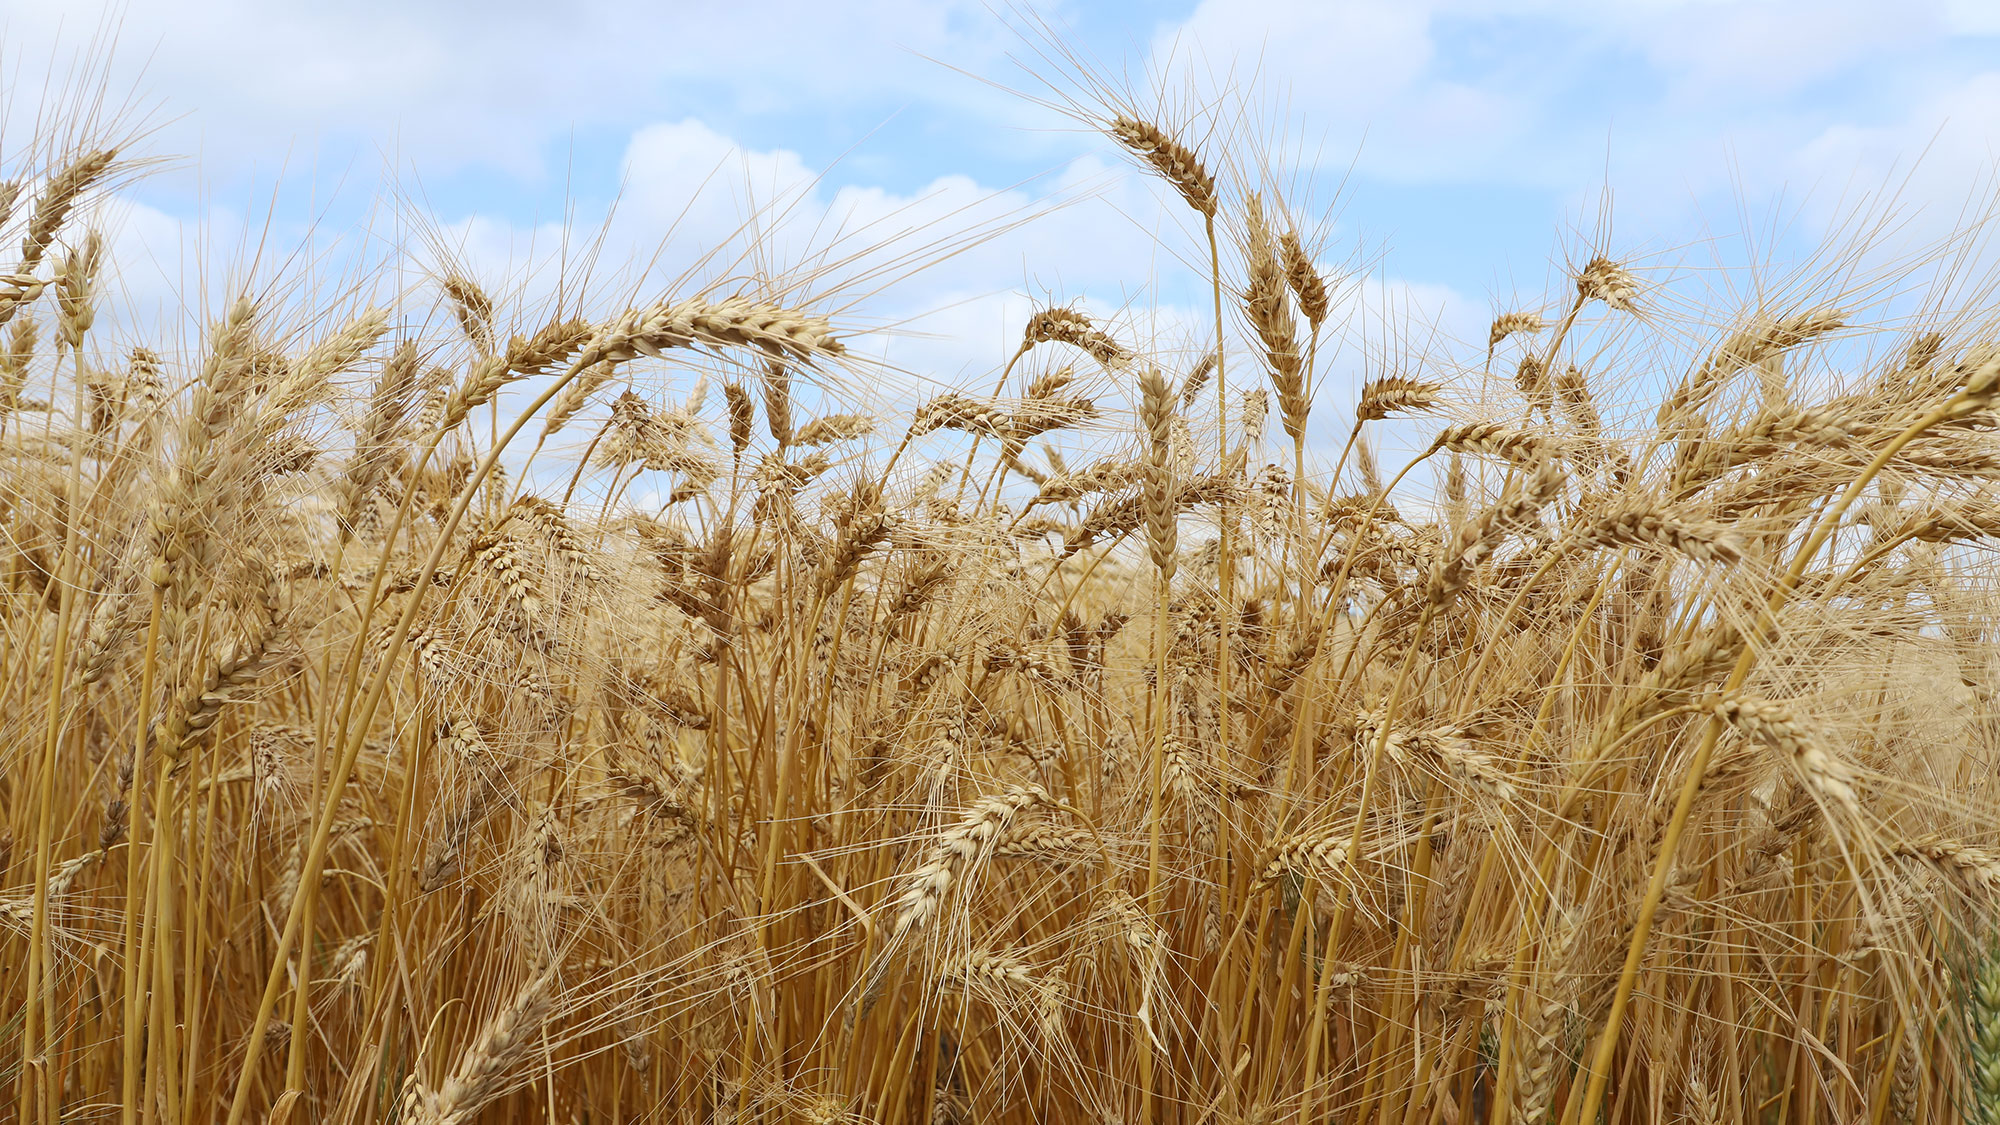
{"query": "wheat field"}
(1093, 748)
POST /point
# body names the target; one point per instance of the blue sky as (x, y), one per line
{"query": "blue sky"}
(1472, 141)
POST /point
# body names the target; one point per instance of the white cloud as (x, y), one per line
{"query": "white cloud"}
(453, 83)
(1694, 101)
(1730, 54)
(1972, 17)
(1356, 57)
(1533, 91)
(1944, 146)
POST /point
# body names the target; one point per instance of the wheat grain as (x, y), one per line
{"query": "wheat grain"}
(1773, 724)
(781, 333)
(1270, 314)
(1162, 529)
(1307, 286)
(1511, 324)
(1605, 280)
(1173, 161)
(1643, 526)
(1976, 868)
(482, 1071)
(472, 307)
(1068, 326)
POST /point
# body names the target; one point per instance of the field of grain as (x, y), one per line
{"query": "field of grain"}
(1080, 746)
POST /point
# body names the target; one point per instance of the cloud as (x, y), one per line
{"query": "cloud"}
(494, 86)
(678, 149)
(1942, 149)
(1536, 92)
(1728, 54)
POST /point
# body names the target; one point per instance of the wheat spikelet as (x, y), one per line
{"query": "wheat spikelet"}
(533, 355)
(1068, 326)
(571, 400)
(461, 741)
(1054, 843)
(1309, 854)
(832, 428)
(430, 655)
(959, 412)
(1573, 398)
(920, 584)
(332, 356)
(74, 281)
(1173, 161)
(235, 670)
(555, 527)
(742, 416)
(503, 556)
(631, 434)
(1510, 324)
(349, 962)
(1270, 314)
(482, 1071)
(781, 333)
(1949, 522)
(1531, 378)
(1478, 539)
(1773, 724)
(864, 529)
(1255, 410)
(1192, 386)
(472, 307)
(1982, 1019)
(1308, 287)
(1179, 770)
(1162, 531)
(1536, 1078)
(1134, 928)
(19, 911)
(1763, 338)
(1035, 416)
(1110, 475)
(778, 402)
(955, 851)
(14, 361)
(1050, 384)
(1605, 280)
(1701, 460)
(179, 542)
(1010, 656)
(267, 758)
(982, 966)
(58, 196)
(1395, 395)
(1643, 526)
(1495, 439)
(1464, 757)
(1906, 1085)
(374, 439)
(1975, 868)
(294, 868)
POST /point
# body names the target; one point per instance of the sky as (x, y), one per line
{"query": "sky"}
(1447, 156)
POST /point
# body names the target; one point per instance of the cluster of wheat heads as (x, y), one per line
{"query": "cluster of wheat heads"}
(887, 769)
